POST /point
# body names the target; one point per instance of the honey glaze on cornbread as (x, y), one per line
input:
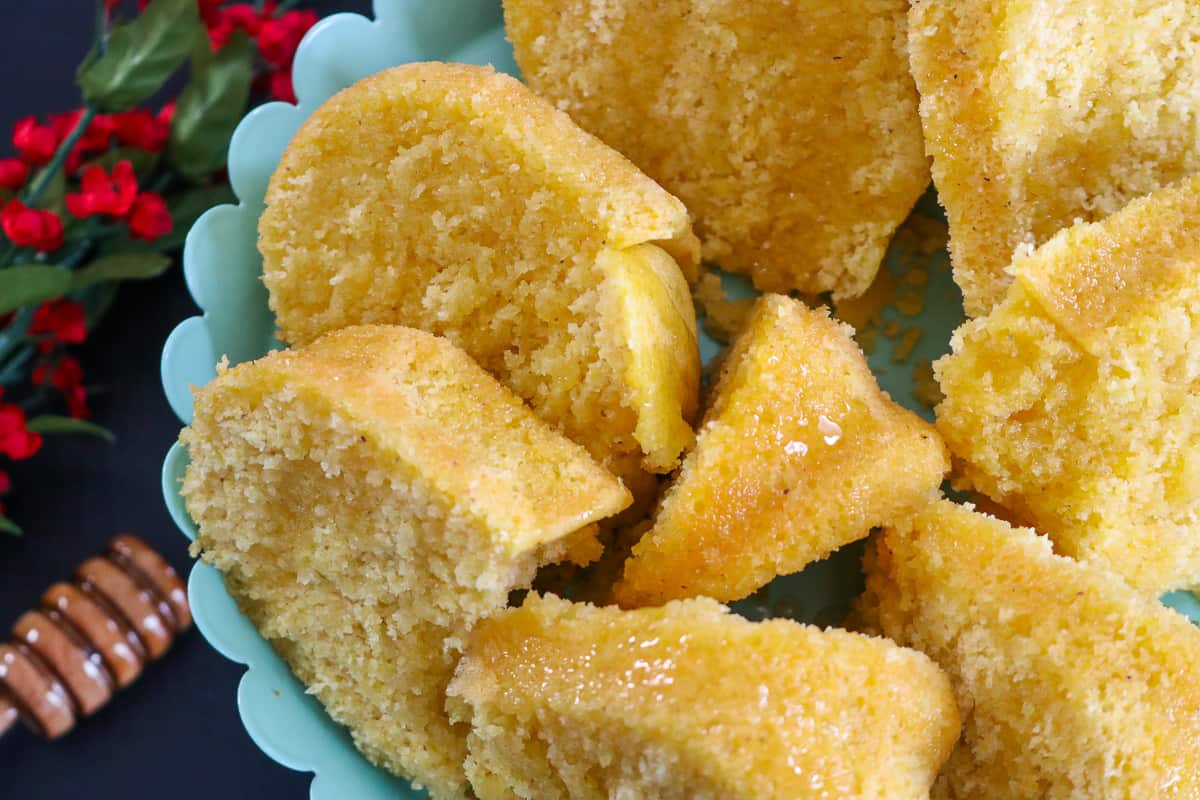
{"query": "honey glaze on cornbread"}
(799, 453)
(574, 701)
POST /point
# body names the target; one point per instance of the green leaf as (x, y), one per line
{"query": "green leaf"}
(142, 161)
(10, 527)
(53, 424)
(53, 197)
(211, 105)
(140, 56)
(26, 284)
(121, 267)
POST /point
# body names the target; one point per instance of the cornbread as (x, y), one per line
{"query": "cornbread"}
(790, 130)
(368, 498)
(1073, 686)
(800, 453)
(723, 315)
(1076, 402)
(452, 199)
(1039, 113)
(691, 702)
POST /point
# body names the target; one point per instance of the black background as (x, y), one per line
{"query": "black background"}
(175, 733)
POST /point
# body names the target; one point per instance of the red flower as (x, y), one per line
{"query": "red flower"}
(280, 86)
(77, 405)
(5, 483)
(62, 321)
(104, 194)
(240, 16)
(210, 11)
(15, 441)
(66, 376)
(35, 143)
(13, 173)
(149, 218)
(279, 38)
(140, 128)
(31, 227)
(166, 113)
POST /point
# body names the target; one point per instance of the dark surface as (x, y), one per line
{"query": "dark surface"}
(176, 732)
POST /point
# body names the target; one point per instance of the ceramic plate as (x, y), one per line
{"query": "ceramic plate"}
(222, 268)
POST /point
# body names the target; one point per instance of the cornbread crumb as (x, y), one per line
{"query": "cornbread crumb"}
(925, 387)
(452, 199)
(1073, 686)
(690, 702)
(723, 316)
(1076, 402)
(922, 235)
(866, 310)
(367, 499)
(917, 277)
(789, 130)
(1039, 113)
(908, 342)
(800, 453)
(910, 303)
(867, 340)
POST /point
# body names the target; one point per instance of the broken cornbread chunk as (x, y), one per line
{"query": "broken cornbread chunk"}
(1073, 686)
(1041, 113)
(790, 130)
(367, 499)
(1076, 402)
(723, 315)
(452, 199)
(799, 454)
(691, 702)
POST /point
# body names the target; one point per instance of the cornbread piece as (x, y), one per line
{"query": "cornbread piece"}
(692, 702)
(799, 454)
(1074, 686)
(789, 129)
(1076, 402)
(368, 498)
(1039, 113)
(452, 199)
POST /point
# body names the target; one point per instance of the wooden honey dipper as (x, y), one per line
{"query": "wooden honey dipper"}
(90, 637)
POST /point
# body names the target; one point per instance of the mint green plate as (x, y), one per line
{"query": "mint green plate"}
(222, 268)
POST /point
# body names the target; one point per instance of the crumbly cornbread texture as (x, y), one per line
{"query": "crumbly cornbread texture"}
(800, 453)
(369, 497)
(1073, 686)
(789, 129)
(452, 199)
(1039, 113)
(1076, 402)
(691, 702)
